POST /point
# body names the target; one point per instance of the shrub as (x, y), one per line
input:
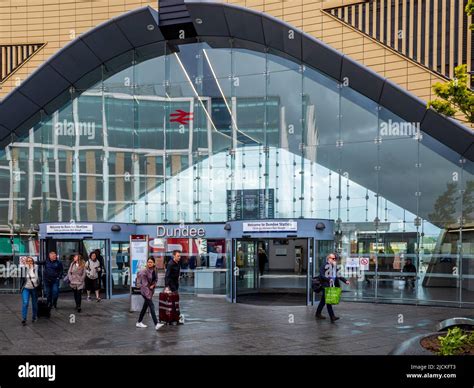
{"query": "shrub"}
(453, 342)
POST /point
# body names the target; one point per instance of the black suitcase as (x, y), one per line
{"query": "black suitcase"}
(43, 309)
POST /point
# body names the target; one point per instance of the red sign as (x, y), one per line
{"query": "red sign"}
(180, 116)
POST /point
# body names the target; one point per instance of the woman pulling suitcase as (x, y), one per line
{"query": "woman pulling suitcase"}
(146, 280)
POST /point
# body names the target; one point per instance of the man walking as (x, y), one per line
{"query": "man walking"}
(169, 299)
(329, 277)
(53, 272)
(173, 270)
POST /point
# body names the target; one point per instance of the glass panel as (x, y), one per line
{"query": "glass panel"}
(467, 236)
(120, 267)
(230, 270)
(246, 262)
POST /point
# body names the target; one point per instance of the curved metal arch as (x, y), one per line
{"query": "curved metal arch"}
(79, 64)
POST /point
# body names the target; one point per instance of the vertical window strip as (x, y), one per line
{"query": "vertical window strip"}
(451, 32)
(383, 18)
(2, 63)
(364, 17)
(392, 24)
(412, 33)
(398, 25)
(431, 34)
(371, 19)
(426, 31)
(437, 35)
(457, 32)
(367, 18)
(465, 30)
(444, 32)
(357, 16)
(419, 28)
(415, 24)
(388, 22)
(378, 18)
(405, 35)
(470, 52)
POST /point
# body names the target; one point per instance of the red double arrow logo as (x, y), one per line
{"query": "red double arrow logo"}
(180, 116)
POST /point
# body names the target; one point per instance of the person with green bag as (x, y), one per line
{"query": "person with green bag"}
(331, 291)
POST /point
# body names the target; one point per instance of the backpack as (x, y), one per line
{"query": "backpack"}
(316, 284)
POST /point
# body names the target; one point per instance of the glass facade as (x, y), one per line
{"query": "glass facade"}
(210, 132)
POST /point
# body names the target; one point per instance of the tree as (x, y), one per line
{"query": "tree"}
(455, 95)
(445, 207)
(470, 10)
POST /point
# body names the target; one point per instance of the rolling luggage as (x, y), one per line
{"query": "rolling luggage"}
(43, 309)
(169, 307)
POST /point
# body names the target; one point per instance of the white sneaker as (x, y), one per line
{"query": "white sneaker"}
(140, 324)
(158, 326)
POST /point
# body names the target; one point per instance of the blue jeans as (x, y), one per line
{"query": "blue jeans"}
(51, 290)
(25, 296)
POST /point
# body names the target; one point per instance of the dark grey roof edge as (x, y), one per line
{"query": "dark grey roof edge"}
(410, 106)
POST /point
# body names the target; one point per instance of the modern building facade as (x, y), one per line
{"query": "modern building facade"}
(216, 115)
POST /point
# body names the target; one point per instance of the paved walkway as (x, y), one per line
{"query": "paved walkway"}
(214, 326)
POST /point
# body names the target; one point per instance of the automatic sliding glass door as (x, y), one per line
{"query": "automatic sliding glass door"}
(246, 272)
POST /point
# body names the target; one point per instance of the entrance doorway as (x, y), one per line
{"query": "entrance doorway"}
(277, 269)
(67, 248)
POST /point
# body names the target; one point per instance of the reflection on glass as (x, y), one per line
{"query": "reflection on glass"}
(203, 134)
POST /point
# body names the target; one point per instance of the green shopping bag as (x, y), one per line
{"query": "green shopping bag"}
(332, 295)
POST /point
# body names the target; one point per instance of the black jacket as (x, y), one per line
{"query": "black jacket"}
(53, 270)
(325, 273)
(173, 270)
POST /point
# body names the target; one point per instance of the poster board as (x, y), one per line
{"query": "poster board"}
(138, 256)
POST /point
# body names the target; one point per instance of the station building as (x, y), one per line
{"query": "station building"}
(224, 131)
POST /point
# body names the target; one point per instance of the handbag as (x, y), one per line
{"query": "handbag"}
(316, 284)
(332, 295)
(37, 288)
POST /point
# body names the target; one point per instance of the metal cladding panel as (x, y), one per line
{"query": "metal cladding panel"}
(4, 133)
(447, 131)
(107, 42)
(23, 130)
(322, 57)
(282, 37)
(212, 20)
(44, 85)
(245, 25)
(90, 79)
(469, 154)
(140, 27)
(407, 106)
(59, 101)
(16, 109)
(74, 61)
(361, 79)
